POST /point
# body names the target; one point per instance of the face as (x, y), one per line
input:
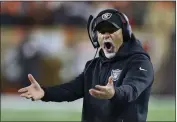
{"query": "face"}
(110, 39)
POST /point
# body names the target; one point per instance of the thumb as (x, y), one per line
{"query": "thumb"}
(31, 78)
(110, 81)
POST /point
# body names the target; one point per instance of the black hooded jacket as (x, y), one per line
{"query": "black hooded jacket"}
(133, 76)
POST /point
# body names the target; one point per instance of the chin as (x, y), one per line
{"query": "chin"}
(109, 55)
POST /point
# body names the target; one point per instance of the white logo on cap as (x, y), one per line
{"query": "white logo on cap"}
(106, 16)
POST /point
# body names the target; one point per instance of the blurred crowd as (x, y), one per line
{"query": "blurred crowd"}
(66, 13)
(50, 41)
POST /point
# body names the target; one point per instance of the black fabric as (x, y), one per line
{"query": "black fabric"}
(114, 20)
(132, 86)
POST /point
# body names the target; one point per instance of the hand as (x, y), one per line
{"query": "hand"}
(104, 92)
(33, 91)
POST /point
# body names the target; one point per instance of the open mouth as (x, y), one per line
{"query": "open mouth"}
(109, 47)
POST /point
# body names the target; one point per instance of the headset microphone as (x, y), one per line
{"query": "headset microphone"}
(92, 36)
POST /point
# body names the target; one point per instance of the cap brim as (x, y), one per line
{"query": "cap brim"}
(105, 23)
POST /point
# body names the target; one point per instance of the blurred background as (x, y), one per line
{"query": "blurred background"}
(50, 41)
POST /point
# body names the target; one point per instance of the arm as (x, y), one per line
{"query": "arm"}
(66, 92)
(135, 81)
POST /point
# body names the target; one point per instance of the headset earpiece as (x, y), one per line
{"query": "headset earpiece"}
(127, 27)
(92, 34)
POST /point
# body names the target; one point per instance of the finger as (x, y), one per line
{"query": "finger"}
(96, 92)
(23, 89)
(29, 96)
(101, 88)
(31, 78)
(110, 81)
(98, 96)
(26, 94)
(91, 93)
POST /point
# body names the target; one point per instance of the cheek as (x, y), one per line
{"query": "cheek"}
(117, 39)
(100, 39)
(116, 36)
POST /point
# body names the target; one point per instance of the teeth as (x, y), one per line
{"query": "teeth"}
(107, 41)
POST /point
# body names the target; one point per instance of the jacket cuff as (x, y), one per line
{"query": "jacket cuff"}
(45, 97)
(114, 98)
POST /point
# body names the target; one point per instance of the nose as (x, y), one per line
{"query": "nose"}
(106, 36)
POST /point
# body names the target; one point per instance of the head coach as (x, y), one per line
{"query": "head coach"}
(115, 86)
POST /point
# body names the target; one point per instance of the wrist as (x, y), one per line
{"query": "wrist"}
(113, 98)
(44, 97)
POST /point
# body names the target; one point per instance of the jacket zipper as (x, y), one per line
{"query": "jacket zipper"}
(106, 77)
(95, 83)
(106, 74)
(99, 74)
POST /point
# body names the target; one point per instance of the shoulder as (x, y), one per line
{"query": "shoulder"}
(92, 62)
(140, 60)
(138, 57)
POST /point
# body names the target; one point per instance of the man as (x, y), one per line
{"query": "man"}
(116, 85)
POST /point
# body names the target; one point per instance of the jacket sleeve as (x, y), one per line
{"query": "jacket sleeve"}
(65, 92)
(139, 77)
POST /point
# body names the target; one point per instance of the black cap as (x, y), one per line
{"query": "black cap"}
(106, 19)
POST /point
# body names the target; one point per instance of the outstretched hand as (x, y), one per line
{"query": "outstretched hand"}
(34, 91)
(104, 92)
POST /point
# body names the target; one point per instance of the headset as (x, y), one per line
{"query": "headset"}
(91, 24)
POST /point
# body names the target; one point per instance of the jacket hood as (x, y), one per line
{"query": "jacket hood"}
(127, 49)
